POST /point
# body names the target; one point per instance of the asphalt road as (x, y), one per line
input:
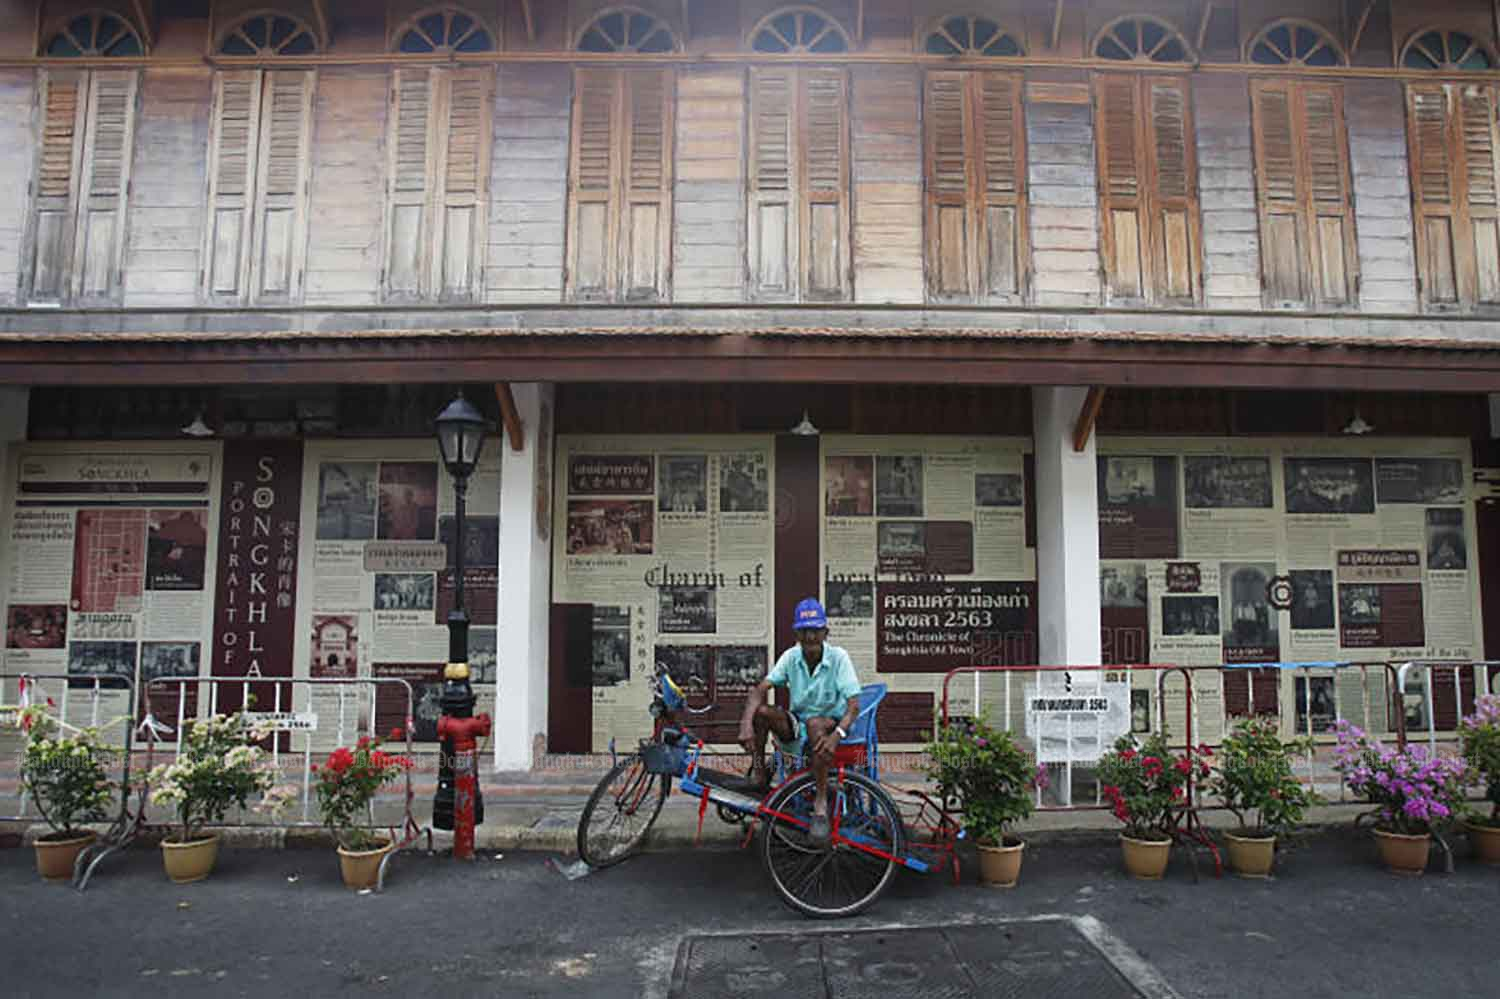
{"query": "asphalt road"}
(280, 923)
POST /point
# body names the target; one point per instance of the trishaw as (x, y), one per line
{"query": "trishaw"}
(872, 835)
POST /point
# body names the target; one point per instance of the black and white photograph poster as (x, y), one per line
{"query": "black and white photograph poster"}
(999, 489)
(738, 668)
(1329, 485)
(1226, 482)
(898, 485)
(90, 660)
(1419, 480)
(1316, 708)
(404, 591)
(849, 598)
(1446, 550)
(347, 495)
(1312, 599)
(689, 666)
(686, 610)
(1137, 506)
(744, 483)
(683, 485)
(1250, 626)
(611, 645)
(1198, 616)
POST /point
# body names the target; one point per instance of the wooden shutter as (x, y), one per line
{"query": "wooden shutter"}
(1476, 105)
(464, 167)
(645, 224)
(1283, 250)
(825, 191)
(1121, 186)
(1002, 239)
(593, 178)
(280, 241)
(106, 182)
(1174, 194)
(773, 222)
(1435, 206)
(1331, 214)
(950, 188)
(231, 194)
(63, 101)
(409, 178)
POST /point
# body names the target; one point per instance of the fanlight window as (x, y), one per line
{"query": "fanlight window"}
(1446, 50)
(1295, 43)
(1142, 39)
(799, 29)
(446, 29)
(94, 34)
(626, 30)
(269, 35)
(975, 36)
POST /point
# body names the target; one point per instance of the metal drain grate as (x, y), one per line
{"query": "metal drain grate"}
(1032, 959)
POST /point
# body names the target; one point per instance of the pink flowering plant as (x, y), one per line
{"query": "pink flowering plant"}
(1254, 777)
(1480, 736)
(1144, 786)
(1413, 792)
(993, 779)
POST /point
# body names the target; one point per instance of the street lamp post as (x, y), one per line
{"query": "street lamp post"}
(460, 433)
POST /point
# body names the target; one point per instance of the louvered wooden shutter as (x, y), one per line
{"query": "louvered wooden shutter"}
(1121, 195)
(1481, 179)
(281, 185)
(825, 175)
(646, 213)
(1001, 188)
(235, 138)
(1436, 207)
(1330, 224)
(465, 159)
(593, 181)
(63, 102)
(1174, 191)
(409, 182)
(950, 187)
(773, 222)
(100, 239)
(1284, 258)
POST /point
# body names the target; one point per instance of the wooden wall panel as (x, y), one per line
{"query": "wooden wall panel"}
(886, 151)
(1064, 204)
(348, 189)
(708, 249)
(1226, 190)
(168, 180)
(528, 189)
(1375, 112)
(17, 138)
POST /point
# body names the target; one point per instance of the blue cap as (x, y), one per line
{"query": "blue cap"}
(809, 614)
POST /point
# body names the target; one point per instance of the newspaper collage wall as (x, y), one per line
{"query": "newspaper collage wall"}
(106, 565)
(671, 539)
(926, 564)
(377, 581)
(1270, 551)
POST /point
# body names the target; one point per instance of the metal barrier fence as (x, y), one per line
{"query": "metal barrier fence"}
(107, 702)
(1446, 690)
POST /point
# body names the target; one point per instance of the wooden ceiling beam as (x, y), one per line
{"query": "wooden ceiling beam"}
(1057, 13)
(687, 24)
(320, 14)
(1088, 415)
(510, 416)
(859, 23)
(143, 18)
(1203, 22)
(526, 15)
(1359, 28)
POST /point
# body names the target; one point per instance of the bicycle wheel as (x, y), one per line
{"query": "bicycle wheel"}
(620, 812)
(846, 876)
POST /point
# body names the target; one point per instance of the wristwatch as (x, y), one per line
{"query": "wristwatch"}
(840, 730)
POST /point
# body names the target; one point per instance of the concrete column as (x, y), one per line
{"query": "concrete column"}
(525, 576)
(1067, 531)
(14, 405)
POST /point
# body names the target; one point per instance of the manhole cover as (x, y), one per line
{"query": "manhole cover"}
(1034, 959)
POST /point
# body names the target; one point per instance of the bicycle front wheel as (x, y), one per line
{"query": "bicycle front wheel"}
(620, 812)
(846, 876)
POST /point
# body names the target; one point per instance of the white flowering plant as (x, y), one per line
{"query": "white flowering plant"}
(218, 766)
(67, 776)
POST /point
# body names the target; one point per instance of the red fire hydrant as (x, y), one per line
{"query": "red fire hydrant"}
(465, 733)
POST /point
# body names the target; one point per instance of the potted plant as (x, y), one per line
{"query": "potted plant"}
(218, 766)
(994, 781)
(1256, 782)
(68, 779)
(1480, 734)
(1144, 787)
(346, 784)
(1413, 792)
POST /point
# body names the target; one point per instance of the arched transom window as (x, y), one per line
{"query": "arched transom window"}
(444, 29)
(269, 35)
(626, 29)
(971, 35)
(799, 29)
(1439, 49)
(1141, 38)
(97, 33)
(1295, 43)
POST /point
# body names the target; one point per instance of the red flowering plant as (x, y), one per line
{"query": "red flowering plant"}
(1144, 786)
(348, 781)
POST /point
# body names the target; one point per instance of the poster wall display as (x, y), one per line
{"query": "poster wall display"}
(670, 538)
(376, 582)
(925, 563)
(1288, 550)
(105, 561)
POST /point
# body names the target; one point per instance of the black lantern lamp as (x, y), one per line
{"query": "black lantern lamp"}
(460, 432)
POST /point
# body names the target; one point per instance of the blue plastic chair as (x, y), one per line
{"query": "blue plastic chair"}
(862, 733)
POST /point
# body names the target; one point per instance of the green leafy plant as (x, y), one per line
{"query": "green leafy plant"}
(1254, 777)
(66, 776)
(992, 777)
(218, 766)
(347, 782)
(1480, 735)
(1144, 786)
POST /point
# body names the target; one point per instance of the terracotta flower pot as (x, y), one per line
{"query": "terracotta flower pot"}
(1486, 842)
(56, 854)
(1251, 856)
(1146, 859)
(361, 868)
(1000, 866)
(191, 861)
(1403, 854)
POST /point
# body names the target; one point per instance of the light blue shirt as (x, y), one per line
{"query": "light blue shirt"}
(823, 692)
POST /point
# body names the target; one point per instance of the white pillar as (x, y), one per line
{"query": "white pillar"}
(1067, 531)
(525, 574)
